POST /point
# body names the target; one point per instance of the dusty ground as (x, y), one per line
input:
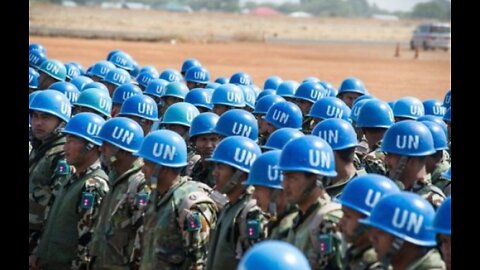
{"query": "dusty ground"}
(385, 76)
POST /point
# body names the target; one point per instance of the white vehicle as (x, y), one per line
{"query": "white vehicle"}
(431, 36)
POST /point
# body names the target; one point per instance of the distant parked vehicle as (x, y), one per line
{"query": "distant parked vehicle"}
(431, 36)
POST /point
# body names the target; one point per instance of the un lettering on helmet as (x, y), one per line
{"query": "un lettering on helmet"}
(104, 104)
(165, 151)
(416, 110)
(408, 142)
(315, 94)
(244, 156)
(144, 108)
(241, 129)
(273, 173)
(233, 97)
(319, 158)
(280, 116)
(65, 108)
(411, 221)
(372, 197)
(331, 136)
(333, 111)
(93, 129)
(52, 68)
(123, 135)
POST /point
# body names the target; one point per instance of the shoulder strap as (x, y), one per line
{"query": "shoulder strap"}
(242, 226)
(314, 226)
(188, 202)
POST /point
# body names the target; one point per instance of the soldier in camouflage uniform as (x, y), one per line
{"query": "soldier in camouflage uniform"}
(443, 227)
(49, 111)
(261, 107)
(121, 212)
(305, 162)
(305, 96)
(350, 89)
(142, 109)
(69, 224)
(269, 194)
(342, 138)
(178, 117)
(357, 200)
(179, 214)
(283, 114)
(407, 144)
(241, 222)
(204, 142)
(374, 118)
(400, 238)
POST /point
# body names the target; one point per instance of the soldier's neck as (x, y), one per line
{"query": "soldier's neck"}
(373, 138)
(311, 199)
(124, 163)
(167, 178)
(236, 193)
(345, 171)
(407, 254)
(87, 161)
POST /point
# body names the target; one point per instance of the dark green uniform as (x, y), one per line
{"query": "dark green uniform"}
(430, 261)
(278, 229)
(362, 258)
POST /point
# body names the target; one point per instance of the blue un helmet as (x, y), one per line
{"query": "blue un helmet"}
(136, 69)
(144, 77)
(212, 85)
(331, 91)
(32, 78)
(263, 104)
(329, 107)
(101, 68)
(352, 85)
(123, 133)
(408, 107)
(164, 147)
(36, 58)
(443, 218)
(266, 92)
(81, 81)
(236, 151)
(197, 74)
(280, 137)
(274, 255)
(200, 97)
(125, 91)
(68, 89)
(96, 100)
(337, 132)
(356, 110)
(36, 47)
(440, 141)
(149, 69)
(405, 215)
(310, 91)
(54, 69)
(140, 105)
(85, 125)
(156, 87)
(272, 82)
(448, 116)
(189, 63)
(408, 138)
(447, 100)
(362, 98)
(203, 123)
(309, 154)
(287, 88)
(250, 95)
(284, 114)
(52, 102)
(374, 113)
(78, 66)
(72, 71)
(97, 85)
(435, 119)
(312, 79)
(241, 78)
(237, 122)
(180, 113)
(176, 89)
(229, 95)
(264, 172)
(117, 76)
(364, 191)
(171, 75)
(221, 80)
(122, 60)
(434, 107)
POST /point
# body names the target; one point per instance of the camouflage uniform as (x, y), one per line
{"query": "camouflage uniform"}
(436, 176)
(431, 261)
(278, 229)
(177, 227)
(68, 229)
(360, 152)
(47, 168)
(424, 188)
(362, 258)
(320, 242)
(231, 238)
(203, 175)
(192, 159)
(336, 189)
(120, 216)
(374, 162)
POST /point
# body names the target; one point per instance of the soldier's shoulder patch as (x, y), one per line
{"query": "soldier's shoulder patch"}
(62, 168)
(325, 244)
(87, 201)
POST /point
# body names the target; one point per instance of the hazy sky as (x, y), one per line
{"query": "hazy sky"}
(396, 5)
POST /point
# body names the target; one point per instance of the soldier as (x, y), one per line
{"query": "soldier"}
(69, 225)
(51, 71)
(174, 92)
(407, 144)
(280, 137)
(350, 89)
(179, 213)
(329, 107)
(357, 200)
(274, 255)
(99, 70)
(204, 142)
(121, 93)
(269, 194)
(261, 108)
(200, 98)
(114, 78)
(287, 89)
(399, 230)
(142, 109)
(443, 227)
(342, 138)
(49, 111)
(93, 100)
(408, 108)
(237, 122)
(305, 96)
(197, 77)
(120, 214)
(374, 118)
(283, 114)
(241, 223)
(305, 163)
(32, 80)
(226, 97)
(437, 163)
(187, 64)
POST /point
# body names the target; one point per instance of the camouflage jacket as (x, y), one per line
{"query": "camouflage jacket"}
(240, 226)
(424, 188)
(120, 216)
(335, 190)
(362, 258)
(374, 162)
(69, 225)
(430, 261)
(177, 227)
(317, 235)
(192, 159)
(360, 151)
(203, 175)
(278, 229)
(436, 176)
